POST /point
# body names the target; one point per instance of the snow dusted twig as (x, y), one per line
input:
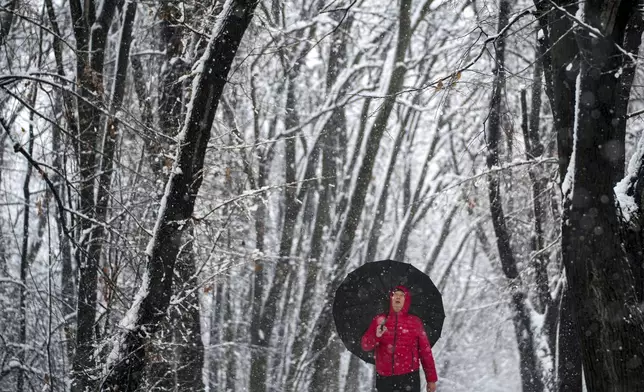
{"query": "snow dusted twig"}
(12, 281)
(500, 169)
(9, 79)
(39, 24)
(252, 193)
(61, 208)
(456, 74)
(332, 31)
(635, 114)
(104, 225)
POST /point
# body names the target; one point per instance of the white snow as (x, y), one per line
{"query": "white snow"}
(626, 202)
(13, 363)
(569, 180)
(128, 323)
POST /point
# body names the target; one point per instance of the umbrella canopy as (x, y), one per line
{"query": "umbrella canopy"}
(364, 293)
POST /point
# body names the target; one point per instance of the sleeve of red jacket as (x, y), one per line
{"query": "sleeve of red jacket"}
(369, 338)
(426, 356)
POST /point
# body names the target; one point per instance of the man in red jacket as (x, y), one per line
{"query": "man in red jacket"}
(400, 342)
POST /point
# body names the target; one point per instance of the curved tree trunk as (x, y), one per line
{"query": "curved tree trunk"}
(123, 370)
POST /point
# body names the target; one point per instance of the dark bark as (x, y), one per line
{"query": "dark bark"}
(159, 359)
(111, 134)
(534, 149)
(568, 371)
(258, 338)
(178, 368)
(442, 239)
(231, 332)
(558, 48)
(609, 321)
(142, 95)
(67, 103)
(187, 324)
(3, 138)
(381, 204)
(3, 249)
(89, 76)
(6, 20)
(531, 378)
(171, 91)
(178, 202)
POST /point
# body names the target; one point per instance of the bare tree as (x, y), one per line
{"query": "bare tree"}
(178, 201)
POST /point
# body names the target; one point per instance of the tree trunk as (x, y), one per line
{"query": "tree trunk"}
(187, 324)
(568, 371)
(292, 206)
(534, 149)
(609, 322)
(634, 235)
(325, 376)
(24, 254)
(531, 378)
(558, 49)
(413, 204)
(125, 363)
(381, 204)
(6, 20)
(328, 148)
(90, 31)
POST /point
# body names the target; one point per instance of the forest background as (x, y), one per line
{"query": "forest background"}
(184, 184)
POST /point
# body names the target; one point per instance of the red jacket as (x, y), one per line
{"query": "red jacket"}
(403, 344)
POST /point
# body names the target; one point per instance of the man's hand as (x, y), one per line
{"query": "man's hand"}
(431, 387)
(380, 330)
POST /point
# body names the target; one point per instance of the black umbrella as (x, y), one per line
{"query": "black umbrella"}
(364, 293)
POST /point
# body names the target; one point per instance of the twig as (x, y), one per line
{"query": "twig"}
(61, 209)
(637, 113)
(591, 29)
(455, 75)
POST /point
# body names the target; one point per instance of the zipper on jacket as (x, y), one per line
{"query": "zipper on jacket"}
(393, 354)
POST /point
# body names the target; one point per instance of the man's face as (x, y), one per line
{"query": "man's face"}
(398, 300)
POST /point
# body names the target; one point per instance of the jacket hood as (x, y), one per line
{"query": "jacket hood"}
(407, 302)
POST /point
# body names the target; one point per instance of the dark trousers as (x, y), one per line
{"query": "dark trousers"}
(409, 382)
